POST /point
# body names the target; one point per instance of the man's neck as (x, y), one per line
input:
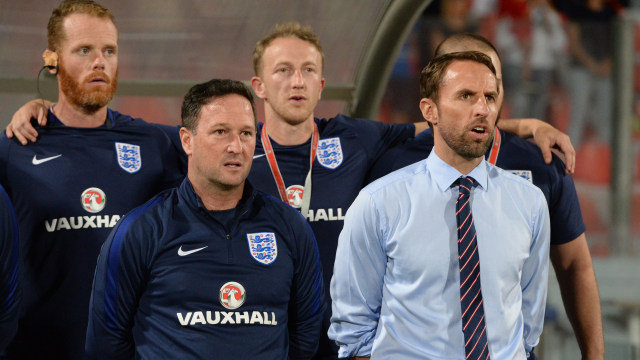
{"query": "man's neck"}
(449, 156)
(214, 198)
(74, 116)
(285, 133)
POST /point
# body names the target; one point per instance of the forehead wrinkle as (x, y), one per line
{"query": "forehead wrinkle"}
(461, 76)
(283, 47)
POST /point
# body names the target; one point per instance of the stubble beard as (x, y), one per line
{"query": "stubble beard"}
(467, 148)
(91, 100)
(292, 117)
(291, 114)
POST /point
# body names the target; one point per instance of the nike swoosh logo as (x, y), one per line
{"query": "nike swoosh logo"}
(257, 156)
(189, 252)
(36, 161)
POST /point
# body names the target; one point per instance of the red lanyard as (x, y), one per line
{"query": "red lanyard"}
(275, 170)
(495, 148)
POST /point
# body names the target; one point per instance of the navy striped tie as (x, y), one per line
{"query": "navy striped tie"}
(473, 324)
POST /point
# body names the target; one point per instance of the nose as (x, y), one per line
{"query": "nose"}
(482, 107)
(235, 144)
(298, 81)
(98, 62)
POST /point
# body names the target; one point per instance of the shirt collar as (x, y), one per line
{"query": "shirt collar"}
(445, 174)
(187, 192)
(52, 119)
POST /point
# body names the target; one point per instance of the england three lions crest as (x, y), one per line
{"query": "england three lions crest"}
(129, 157)
(263, 247)
(330, 153)
(525, 174)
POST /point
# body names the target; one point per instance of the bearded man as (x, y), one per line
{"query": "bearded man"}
(91, 167)
(417, 275)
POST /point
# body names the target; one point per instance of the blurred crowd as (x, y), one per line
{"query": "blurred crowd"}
(556, 58)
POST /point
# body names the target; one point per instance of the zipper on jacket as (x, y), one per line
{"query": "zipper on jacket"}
(229, 249)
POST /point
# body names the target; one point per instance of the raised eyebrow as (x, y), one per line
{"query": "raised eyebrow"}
(492, 93)
(83, 46)
(218, 126)
(465, 92)
(310, 63)
(281, 64)
(228, 126)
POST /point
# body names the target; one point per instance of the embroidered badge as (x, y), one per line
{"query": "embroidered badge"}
(263, 247)
(129, 157)
(525, 174)
(330, 153)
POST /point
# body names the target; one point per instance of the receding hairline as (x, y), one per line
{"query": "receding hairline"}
(55, 26)
(446, 75)
(465, 42)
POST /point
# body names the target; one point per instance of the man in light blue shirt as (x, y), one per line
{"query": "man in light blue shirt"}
(396, 288)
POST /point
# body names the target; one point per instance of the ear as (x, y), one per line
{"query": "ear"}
(258, 87)
(321, 88)
(186, 137)
(429, 110)
(50, 61)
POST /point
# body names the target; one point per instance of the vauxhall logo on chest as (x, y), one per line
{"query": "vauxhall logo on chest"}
(232, 296)
(93, 200)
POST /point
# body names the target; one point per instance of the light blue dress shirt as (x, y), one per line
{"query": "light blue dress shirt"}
(396, 282)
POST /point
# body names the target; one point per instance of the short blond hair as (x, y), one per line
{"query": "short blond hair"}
(291, 29)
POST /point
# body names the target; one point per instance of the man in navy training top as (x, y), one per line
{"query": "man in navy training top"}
(213, 268)
(90, 167)
(569, 250)
(413, 281)
(10, 292)
(320, 165)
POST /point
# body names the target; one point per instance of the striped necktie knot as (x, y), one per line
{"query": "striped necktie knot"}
(465, 183)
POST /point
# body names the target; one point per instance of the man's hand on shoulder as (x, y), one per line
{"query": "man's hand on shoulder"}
(545, 136)
(20, 125)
